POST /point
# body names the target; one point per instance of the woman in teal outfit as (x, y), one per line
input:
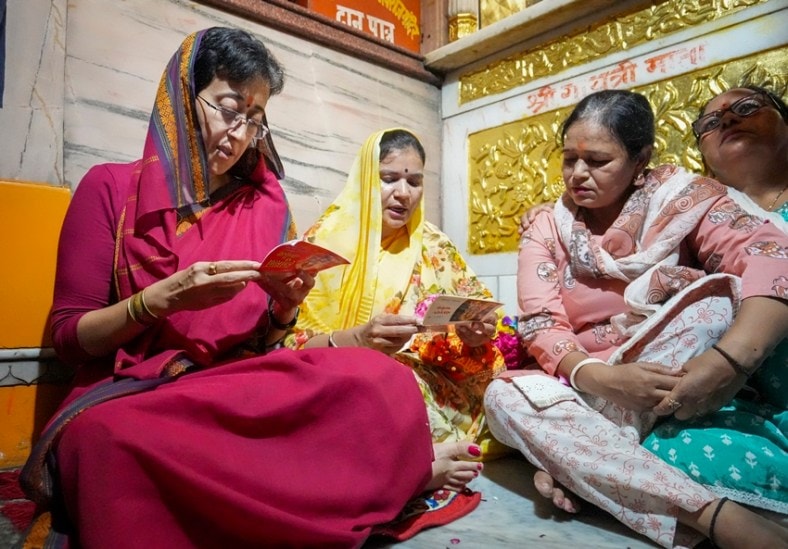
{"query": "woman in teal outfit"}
(741, 451)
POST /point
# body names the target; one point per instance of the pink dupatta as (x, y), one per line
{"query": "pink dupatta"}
(642, 246)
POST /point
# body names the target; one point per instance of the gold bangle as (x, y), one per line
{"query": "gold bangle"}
(137, 311)
(130, 309)
(331, 342)
(145, 306)
(136, 304)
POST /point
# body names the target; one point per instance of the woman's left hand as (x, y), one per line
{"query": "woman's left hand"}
(290, 291)
(708, 385)
(478, 333)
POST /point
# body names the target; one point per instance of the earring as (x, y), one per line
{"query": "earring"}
(639, 180)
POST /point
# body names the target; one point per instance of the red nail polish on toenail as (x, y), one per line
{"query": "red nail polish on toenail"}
(474, 451)
(479, 466)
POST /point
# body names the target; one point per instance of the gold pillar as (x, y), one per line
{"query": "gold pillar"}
(463, 18)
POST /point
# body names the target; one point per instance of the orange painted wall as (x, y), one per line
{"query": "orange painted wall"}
(30, 219)
(24, 410)
(405, 15)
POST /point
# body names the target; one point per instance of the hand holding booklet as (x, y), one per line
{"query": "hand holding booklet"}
(449, 310)
(300, 255)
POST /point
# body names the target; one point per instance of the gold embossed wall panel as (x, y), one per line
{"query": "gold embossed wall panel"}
(492, 11)
(517, 165)
(602, 39)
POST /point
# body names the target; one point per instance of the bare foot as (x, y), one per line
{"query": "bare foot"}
(452, 468)
(550, 489)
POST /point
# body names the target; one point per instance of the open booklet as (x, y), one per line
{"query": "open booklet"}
(449, 310)
(295, 255)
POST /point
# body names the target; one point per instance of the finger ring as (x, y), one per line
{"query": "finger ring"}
(674, 404)
(212, 269)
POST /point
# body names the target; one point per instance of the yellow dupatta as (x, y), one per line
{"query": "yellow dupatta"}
(378, 276)
(392, 277)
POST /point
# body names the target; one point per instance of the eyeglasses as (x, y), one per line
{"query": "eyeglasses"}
(233, 119)
(746, 106)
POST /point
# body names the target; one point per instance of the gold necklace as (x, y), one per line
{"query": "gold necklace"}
(776, 197)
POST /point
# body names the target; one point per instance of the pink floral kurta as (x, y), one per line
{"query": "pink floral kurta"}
(572, 297)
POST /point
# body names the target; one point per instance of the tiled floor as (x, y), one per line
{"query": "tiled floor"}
(512, 514)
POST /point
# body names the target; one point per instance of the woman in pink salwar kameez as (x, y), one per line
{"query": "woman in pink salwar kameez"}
(618, 310)
(185, 427)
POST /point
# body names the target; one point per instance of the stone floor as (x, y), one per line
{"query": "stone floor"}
(512, 514)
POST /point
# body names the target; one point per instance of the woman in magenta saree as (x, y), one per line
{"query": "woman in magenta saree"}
(185, 428)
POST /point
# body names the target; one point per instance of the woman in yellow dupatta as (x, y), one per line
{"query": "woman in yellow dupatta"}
(397, 259)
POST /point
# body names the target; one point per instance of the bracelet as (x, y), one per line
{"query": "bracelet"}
(735, 364)
(713, 521)
(589, 360)
(145, 306)
(138, 312)
(275, 323)
(130, 309)
(331, 342)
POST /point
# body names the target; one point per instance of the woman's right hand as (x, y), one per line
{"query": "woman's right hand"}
(385, 332)
(200, 286)
(637, 386)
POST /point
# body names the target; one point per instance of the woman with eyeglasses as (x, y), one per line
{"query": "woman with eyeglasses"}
(184, 428)
(646, 293)
(741, 451)
(742, 134)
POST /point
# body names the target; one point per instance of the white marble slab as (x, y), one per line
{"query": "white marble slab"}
(512, 514)
(331, 102)
(32, 114)
(82, 75)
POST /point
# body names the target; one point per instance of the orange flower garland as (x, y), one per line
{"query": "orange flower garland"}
(452, 355)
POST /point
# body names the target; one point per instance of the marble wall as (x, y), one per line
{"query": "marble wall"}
(32, 114)
(81, 77)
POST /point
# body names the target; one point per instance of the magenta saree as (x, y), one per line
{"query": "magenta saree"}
(186, 437)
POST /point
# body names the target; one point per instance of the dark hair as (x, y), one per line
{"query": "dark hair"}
(237, 56)
(776, 100)
(397, 140)
(626, 115)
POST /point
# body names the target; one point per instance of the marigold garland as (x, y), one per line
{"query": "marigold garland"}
(460, 361)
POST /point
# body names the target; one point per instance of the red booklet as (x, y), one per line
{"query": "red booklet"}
(295, 255)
